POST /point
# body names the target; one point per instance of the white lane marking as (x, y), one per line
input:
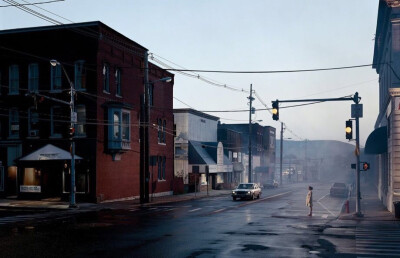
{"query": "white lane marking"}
(194, 210)
(323, 206)
(325, 216)
(263, 199)
(218, 210)
(322, 197)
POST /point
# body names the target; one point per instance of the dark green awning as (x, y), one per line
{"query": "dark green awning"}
(377, 141)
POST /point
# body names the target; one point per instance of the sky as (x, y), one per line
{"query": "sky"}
(256, 35)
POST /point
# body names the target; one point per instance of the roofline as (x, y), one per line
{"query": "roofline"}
(66, 26)
(195, 112)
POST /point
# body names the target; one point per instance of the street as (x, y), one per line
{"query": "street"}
(276, 225)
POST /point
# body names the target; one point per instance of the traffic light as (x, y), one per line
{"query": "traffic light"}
(71, 131)
(349, 130)
(275, 110)
(365, 166)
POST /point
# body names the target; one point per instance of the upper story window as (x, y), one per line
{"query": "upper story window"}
(80, 75)
(118, 82)
(106, 78)
(119, 128)
(55, 79)
(33, 122)
(80, 127)
(57, 125)
(33, 77)
(13, 80)
(162, 124)
(13, 123)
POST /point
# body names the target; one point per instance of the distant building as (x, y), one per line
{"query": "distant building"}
(107, 70)
(263, 150)
(384, 141)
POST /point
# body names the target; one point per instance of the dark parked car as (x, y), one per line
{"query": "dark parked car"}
(339, 189)
(246, 191)
(271, 184)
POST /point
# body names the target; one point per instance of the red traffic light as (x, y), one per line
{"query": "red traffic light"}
(71, 131)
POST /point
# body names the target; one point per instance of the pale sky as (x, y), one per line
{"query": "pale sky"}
(254, 35)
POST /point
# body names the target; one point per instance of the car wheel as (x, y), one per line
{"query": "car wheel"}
(234, 198)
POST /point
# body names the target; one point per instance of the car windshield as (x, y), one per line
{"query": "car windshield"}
(245, 186)
(339, 185)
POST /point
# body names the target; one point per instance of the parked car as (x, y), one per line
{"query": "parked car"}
(271, 184)
(246, 191)
(339, 189)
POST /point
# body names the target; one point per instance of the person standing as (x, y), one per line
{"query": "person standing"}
(309, 200)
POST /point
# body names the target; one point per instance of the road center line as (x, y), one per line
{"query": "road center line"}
(194, 210)
(322, 197)
(323, 206)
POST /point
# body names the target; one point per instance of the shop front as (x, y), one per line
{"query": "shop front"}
(45, 173)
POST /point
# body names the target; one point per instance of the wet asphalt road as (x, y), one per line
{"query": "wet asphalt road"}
(276, 225)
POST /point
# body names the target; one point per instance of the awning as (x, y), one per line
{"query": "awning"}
(49, 152)
(377, 141)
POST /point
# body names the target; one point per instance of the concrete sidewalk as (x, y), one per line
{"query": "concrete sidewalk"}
(371, 207)
(56, 204)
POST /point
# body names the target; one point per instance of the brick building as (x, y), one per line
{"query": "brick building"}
(108, 73)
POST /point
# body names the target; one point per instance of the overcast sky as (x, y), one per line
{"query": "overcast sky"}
(256, 35)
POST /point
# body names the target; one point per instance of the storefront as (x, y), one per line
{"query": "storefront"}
(45, 173)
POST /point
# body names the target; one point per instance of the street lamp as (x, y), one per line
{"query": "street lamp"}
(144, 178)
(72, 203)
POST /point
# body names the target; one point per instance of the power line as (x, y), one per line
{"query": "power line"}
(273, 71)
(47, 2)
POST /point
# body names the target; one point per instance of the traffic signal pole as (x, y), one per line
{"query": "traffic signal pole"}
(356, 100)
(358, 195)
(250, 126)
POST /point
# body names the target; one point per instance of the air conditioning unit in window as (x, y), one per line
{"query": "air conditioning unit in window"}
(33, 133)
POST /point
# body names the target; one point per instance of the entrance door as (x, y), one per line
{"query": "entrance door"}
(51, 182)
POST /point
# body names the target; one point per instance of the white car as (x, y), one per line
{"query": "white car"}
(246, 191)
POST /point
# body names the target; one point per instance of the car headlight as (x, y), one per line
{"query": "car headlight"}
(233, 192)
(249, 192)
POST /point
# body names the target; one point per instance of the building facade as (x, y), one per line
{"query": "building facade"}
(263, 140)
(197, 150)
(384, 141)
(107, 71)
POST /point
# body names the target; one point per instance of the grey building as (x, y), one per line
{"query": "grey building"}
(384, 141)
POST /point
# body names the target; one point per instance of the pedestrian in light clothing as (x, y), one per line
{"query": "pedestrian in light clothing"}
(309, 201)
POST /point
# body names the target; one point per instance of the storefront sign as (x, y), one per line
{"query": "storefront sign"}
(47, 156)
(30, 189)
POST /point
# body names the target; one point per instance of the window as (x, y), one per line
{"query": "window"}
(13, 123)
(125, 126)
(106, 78)
(159, 167)
(55, 79)
(57, 126)
(161, 127)
(80, 75)
(33, 77)
(13, 80)
(33, 122)
(119, 129)
(118, 81)
(159, 130)
(163, 167)
(164, 130)
(117, 125)
(80, 127)
(1, 84)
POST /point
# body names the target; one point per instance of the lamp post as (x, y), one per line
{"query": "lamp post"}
(144, 173)
(72, 202)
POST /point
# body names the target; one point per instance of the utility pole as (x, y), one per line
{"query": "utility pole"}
(144, 173)
(250, 126)
(280, 157)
